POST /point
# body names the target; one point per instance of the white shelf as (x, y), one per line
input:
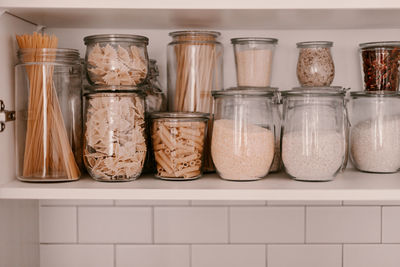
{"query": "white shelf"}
(350, 185)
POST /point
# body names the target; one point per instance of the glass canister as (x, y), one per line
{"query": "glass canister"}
(178, 140)
(313, 133)
(253, 58)
(315, 65)
(116, 59)
(380, 65)
(195, 60)
(243, 144)
(375, 131)
(48, 115)
(114, 135)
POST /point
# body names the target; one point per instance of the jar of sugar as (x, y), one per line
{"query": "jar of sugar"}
(375, 131)
(243, 144)
(314, 133)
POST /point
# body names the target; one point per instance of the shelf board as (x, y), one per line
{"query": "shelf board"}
(350, 185)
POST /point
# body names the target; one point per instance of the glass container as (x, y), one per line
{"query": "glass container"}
(253, 58)
(194, 69)
(48, 115)
(178, 140)
(380, 65)
(315, 65)
(313, 133)
(116, 59)
(243, 138)
(114, 135)
(375, 131)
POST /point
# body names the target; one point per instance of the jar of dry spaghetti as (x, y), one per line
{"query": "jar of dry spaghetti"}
(116, 59)
(114, 135)
(178, 142)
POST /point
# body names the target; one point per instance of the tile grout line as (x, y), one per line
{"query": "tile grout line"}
(342, 255)
(152, 226)
(305, 224)
(190, 255)
(266, 255)
(77, 224)
(381, 224)
(115, 254)
(229, 224)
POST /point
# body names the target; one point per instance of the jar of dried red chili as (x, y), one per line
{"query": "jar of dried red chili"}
(380, 65)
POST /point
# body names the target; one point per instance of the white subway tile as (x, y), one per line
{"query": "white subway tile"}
(76, 256)
(343, 224)
(371, 203)
(114, 225)
(57, 224)
(152, 202)
(371, 256)
(153, 255)
(304, 203)
(190, 225)
(228, 203)
(73, 202)
(391, 225)
(228, 255)
(304, 256)
(267, 224)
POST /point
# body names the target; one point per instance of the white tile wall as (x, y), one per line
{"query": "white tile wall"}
(219, 233)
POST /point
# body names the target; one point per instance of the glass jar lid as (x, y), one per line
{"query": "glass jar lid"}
(114, 88)
(316, 91)
(245, 91)
(116, 38)
(313, 44)
(179, 115)
(213, 34)
(115, 93)
(384, 44)
(55, 55)
(254, 40)
(374, 94)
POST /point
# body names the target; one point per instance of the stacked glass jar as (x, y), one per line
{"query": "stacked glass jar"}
(114, 121)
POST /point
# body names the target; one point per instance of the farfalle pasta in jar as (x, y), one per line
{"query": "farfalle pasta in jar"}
(114, 143)
(116, 59)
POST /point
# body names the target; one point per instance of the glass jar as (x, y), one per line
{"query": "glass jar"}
(48, 115)
(178, 143)
(114, 135)
(375, 131)
(243, 144)
(253, 58)
(313, 133)
(116, 59)
(380, 65)
(315, 64)
(194, 69)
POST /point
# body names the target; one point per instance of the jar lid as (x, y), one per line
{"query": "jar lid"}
(55, 55)
(311, 44)
(384, 44)
(245, 91)
(254, 40)
(113, 88)
(316, 91)
(116, 38)
(119, 93)
(375, 94)
(179, 115)
(195, 33)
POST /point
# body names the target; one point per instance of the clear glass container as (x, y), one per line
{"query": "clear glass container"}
(313, 133)
(253, 58)
(315, 65)
(243, 138)
(375, 131)
(380, 65)
(178, 140)
(195, 68)
(114, 135)
(116, 59)
(48, 115)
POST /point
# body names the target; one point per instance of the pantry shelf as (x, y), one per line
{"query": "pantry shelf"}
(350, 185)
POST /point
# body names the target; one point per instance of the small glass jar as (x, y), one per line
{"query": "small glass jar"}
(178, 143)
(375, 131)
(116, 59)
(48, 115)
(313, 133)
(380, 63)
(114, 136)
(315, 65)
(243, 143)
(253, 58)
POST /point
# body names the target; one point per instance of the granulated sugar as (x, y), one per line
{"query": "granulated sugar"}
(375, 145)
(313, 158)
(244, 153)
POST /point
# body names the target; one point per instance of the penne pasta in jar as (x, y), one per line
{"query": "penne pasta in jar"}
(178, 144)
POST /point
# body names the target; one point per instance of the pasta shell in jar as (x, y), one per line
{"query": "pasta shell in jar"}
(114, 145)
(178, 143)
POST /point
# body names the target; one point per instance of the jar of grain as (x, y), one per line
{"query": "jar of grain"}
(242, 144)
(313, 133)
(315, 64)
(375, 131)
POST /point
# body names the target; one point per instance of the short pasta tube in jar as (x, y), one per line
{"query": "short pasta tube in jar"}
(178, 144)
